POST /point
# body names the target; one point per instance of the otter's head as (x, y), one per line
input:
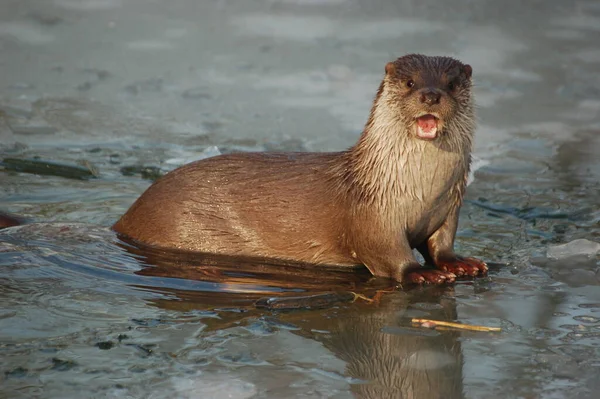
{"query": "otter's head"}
(431, 96)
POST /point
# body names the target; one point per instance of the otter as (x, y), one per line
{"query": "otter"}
(400, 187)
(8, 220)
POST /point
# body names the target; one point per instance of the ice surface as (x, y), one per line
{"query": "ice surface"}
(574, 248)
(215, 386)
(184, 157)
(476, 163)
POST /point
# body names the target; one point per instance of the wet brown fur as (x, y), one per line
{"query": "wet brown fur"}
(370, 205)
(7, 220)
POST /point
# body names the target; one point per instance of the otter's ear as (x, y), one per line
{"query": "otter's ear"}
(390, 69)
(468, 70)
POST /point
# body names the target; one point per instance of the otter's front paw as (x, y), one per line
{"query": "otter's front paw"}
(429, 276)
(463, 266)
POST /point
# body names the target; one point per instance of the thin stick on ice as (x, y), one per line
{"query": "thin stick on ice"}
(434, 323)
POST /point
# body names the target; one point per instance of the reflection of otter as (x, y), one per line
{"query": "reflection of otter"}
(244, 280)
(392, 364)
(400, 187)
(396, 365)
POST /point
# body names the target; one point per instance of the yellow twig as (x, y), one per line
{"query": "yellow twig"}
(361, 296)
(457, 325)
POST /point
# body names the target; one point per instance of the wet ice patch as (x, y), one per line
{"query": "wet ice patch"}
(590, 56)
(555, 130)
(389, 29)
(581, 247)
(303, 28)
(589, 110)
(590, 105)
(183, 156)
(7, 138)
(285, 26)
(565, 34)
(581, 22)
(25, 33)
(176, 33)
(586, 111)
(488, 97)
(85, 5)
(490, 50)
(338, 89)
(309, 83)
(216, 386)
(574, 263)
(149, 45)
(312, 2)
(476, 164)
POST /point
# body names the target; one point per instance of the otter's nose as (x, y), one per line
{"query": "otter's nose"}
(430, 97)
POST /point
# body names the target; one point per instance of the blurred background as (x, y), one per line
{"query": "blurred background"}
(133, 88)
(153, 82)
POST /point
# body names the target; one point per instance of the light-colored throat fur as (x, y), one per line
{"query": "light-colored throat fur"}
(389, 165)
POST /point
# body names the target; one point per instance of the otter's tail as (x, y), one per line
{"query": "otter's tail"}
(7, 220)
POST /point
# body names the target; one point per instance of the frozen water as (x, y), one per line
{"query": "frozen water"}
(574, 248)
(184, 157)
(25, 33)
(215, 386)
(148, 82)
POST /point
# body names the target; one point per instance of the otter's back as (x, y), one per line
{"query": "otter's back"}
(248, 204)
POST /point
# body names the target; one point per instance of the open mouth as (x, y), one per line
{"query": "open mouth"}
(427, 126)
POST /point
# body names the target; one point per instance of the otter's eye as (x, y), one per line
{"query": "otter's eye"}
(451, 86)
(410, 83)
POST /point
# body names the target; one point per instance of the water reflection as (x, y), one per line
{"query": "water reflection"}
(384, 356)
(120, 83)
(218, 279)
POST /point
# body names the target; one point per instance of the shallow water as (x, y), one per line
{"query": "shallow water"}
(136, 82)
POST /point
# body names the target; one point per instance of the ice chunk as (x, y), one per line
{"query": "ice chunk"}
(476, 163)
(187, 156)
(213, 386)
(574, 248)
(25, 33)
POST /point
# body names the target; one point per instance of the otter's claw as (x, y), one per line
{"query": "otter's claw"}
(429, 276)
(463, 266)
